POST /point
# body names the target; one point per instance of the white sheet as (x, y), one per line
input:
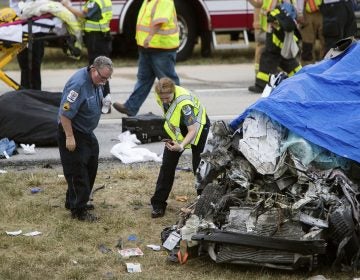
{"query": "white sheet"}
(14, 33)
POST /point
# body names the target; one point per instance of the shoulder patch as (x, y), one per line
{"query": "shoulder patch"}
(186, 110)
(66, 106)
(72, 96)
(90, 5)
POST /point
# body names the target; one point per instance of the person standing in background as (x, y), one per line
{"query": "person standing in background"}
(30, 73)
(338, 21)
(281, 48)
(97, 15)
(310, 20)
(157, 37)
(79, 115)
(258, 32)
(265, 7)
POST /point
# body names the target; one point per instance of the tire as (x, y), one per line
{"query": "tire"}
(187, 25)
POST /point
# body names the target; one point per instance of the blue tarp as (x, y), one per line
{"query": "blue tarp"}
(321, 103)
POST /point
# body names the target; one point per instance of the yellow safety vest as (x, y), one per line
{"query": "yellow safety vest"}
(172, 116)
(266, 7)
(103, 25)
(312, 6)
(153, 12)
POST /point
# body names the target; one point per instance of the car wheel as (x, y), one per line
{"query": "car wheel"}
(187, 26)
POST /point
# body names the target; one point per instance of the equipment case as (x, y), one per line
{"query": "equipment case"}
(147, 127)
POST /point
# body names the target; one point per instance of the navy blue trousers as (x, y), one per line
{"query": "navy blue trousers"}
(80, 168)
(168, 167)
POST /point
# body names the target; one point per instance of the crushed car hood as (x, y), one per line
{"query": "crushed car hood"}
(321, 103)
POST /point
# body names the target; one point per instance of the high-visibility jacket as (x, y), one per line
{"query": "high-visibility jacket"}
(266, 7)
(172, 115)
(312, 6)
(154, 12)
(102, 25)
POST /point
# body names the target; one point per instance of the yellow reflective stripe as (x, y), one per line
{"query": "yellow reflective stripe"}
(159, 20)
(276, 41)
(275, 12)
(198, 125)
(263, 76)
(107, 9)
(160, 32)
(172, 116)
(312, 6)
(297, 69)
(103, 24)
(177, 135)
(153, 10)
(96, 26)
(167, 37)
(177, 101)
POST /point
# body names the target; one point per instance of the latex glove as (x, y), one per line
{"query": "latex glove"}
(174, 146)
(28, 149)
(70, 143)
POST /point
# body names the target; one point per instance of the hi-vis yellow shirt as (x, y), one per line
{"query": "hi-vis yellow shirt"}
(154, 12)
(172, 115)
(103, 25)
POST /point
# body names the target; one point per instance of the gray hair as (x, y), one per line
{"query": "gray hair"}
(102, 62)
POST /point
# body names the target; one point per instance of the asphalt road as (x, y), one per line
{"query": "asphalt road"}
(221, 88)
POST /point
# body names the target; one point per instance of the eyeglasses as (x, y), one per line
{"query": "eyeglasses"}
(102, 77)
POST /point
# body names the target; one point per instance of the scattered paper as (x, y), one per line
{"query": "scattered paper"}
(128, 152)
(28, 149)
(3, 171)
(131, 252)
(133, 267)
(33, 233)
(61, 176)
(172, 240)
(14, 233)
(154, 247)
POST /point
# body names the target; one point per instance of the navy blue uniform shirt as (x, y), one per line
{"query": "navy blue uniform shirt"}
(81, 102)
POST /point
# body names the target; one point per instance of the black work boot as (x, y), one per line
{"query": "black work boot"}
(256, 88)
(85, 216)
(157, 213)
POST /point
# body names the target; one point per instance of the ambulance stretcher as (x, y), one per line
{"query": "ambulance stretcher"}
(17, 35)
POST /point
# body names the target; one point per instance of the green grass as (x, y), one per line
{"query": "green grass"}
(69, 249)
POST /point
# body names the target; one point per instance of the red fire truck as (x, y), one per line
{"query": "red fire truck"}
(204, 19)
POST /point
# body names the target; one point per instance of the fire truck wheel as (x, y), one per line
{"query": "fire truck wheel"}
(186, 21)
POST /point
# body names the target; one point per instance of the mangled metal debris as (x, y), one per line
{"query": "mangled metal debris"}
(269, 198)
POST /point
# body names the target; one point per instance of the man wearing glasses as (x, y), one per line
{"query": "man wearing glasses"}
(79, 115)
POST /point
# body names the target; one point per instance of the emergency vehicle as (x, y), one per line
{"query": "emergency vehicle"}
(202, 19)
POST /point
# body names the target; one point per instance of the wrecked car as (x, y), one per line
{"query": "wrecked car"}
(279, 184)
